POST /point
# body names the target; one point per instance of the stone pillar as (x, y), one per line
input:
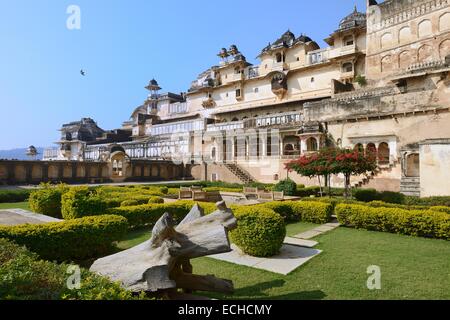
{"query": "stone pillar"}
(29, 170)
(45, 172)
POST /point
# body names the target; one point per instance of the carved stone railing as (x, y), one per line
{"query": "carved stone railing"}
(435, 64)
(363, 93)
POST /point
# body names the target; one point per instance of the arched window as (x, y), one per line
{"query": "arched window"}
(347, 67)
(425, 28)
(359, 147)
(279, 57)
(213, 153)
(349, 41)
(413, 165)
(311, 144)
(383, 153)
(371, 149)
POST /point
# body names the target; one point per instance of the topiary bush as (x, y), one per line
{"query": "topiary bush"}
(260, 231)
(81, 202)
(77, 239)
(423, 223)
(288, 186)
(315, 212)
(25, 277)
(164, 190)
(47, 200)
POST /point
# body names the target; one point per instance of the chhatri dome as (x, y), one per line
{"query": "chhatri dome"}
(353, 20)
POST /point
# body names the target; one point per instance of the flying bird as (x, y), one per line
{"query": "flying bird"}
(82, 72)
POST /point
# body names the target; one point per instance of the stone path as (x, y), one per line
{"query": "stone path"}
(14, 217)
(290, 258)
(318, 231)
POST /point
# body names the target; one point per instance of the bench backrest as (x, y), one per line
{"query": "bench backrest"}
(250, 190)
(278, 195)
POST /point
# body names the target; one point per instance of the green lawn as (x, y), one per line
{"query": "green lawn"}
(411, 268)
(17, 205)
(135, 237)
(299, 227)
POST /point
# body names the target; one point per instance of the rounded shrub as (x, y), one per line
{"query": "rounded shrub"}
(155, 199)
(288, 186)
(164, 190)
(260, 231)
(47, 200)
(129, 203)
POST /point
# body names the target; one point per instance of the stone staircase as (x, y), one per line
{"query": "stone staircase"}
(410, 186)
(373, 175)
(239, 172)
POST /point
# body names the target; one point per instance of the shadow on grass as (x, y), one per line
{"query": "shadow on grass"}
(257, 291)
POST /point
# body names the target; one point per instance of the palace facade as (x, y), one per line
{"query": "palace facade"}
(381, 85)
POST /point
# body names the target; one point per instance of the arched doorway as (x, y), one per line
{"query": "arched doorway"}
(359, 147)
(371, 149)
(291, 146)
(383, 153)
(413, 165)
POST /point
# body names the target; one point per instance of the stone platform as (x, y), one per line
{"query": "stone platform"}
(290, 258)
(14, 217)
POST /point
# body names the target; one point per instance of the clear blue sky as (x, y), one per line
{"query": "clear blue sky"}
(121, 46)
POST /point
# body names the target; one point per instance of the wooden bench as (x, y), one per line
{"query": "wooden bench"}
(278, 195)
(199, 196)
(249, 191)
(271, 196)
(185, 193)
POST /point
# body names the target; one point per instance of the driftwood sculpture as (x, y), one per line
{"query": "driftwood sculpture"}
(162, 265)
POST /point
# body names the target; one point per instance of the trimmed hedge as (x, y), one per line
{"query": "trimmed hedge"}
(368, 195)
(81, 202)
(129, 203)
(440, 209)
(315, 212)
(420, 223)
(260, 231)
(11, 196)
(77, 239)
(148, 214)
(155, 199)
(430, 201)
(47, 200)
(25, 277)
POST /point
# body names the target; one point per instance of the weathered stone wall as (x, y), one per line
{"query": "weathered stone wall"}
(35, 172)
(405, 32)
(435, 168)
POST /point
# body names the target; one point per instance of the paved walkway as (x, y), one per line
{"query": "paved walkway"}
(14, 217)
(318, 231)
